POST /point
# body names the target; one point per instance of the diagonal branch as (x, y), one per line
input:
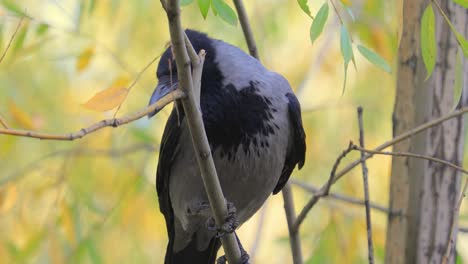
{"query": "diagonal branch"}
(113, 122)
(11, 39)
(244, 21)
(197, 130)
(340, 197)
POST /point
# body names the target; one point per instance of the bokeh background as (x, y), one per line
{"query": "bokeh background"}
(93, 200)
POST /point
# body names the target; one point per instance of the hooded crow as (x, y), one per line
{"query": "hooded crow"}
(253, 124)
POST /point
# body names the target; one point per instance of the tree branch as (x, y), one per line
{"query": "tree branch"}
(322, 192)
(370, 245)
(411, 155)
(340, 197)
(291, 218)
(197, 130)
(456, 212)
(313, 200)
(11, 39)
(113, 122)
(244, 21)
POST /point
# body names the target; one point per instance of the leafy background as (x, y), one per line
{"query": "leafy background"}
(93, 200)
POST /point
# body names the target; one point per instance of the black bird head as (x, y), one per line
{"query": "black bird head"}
(167, 70)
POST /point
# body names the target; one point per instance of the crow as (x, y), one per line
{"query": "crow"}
(253, 123)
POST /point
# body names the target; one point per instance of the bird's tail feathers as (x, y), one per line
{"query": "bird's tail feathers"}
(191, 255)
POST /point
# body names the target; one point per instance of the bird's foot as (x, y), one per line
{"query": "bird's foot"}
(244, 259)
(244, 256)
(230, 222)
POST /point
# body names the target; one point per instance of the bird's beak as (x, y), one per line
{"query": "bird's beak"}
(164, 87)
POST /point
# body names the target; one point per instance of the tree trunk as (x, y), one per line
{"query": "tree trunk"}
(425, 192)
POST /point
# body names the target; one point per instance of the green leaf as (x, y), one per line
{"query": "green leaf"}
(42, 28)
(346, 52)
(374, 58)
(428, 41)
(225, 11)
(345, 43)
(458, 83)
(305, 7)
(319, 22)
(185, 2)
(463, 3)
(204, 6)
(12, 7)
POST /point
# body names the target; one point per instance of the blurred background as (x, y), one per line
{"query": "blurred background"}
(93, 200)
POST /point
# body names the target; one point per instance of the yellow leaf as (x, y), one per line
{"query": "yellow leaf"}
(19, 116)
(107, 99)
(121, 81)
(84, 58)
(8, 197)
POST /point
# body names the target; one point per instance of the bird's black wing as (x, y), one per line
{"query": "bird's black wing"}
(296, 150)
(167, 154)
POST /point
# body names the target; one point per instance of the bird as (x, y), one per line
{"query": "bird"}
(254, 128)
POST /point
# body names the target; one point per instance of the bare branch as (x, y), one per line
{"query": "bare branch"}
(402, 137)
(322, 192)
(244, 21)
(135, 81)
(291, 219)
(197, 130)
(340, 197)
(411, 155)
(114, 122)
(258, 232)
(3, 122)
(456, 211)
(370, 245)
(11, 40)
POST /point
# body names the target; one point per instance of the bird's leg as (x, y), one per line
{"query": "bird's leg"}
(244, 256)
(230, 222)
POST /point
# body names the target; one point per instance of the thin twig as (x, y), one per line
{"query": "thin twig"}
(450, 244)
(197, 130)
(402, 137)
(258, 232)
(135, 81)
(340, 197)
(336, 11)
(114, 122)
(244, 21)
(11, 39)
(322, 192)
(411, 155)
(370, 245)
(3, 122)
(463, 229)
(291, 219)
(114, 153)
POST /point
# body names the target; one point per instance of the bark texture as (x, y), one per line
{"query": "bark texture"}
(426, 193)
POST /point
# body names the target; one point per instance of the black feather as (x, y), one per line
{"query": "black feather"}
(296, 154)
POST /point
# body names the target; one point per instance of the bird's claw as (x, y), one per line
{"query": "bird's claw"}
(230, 222)
(244, 258)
